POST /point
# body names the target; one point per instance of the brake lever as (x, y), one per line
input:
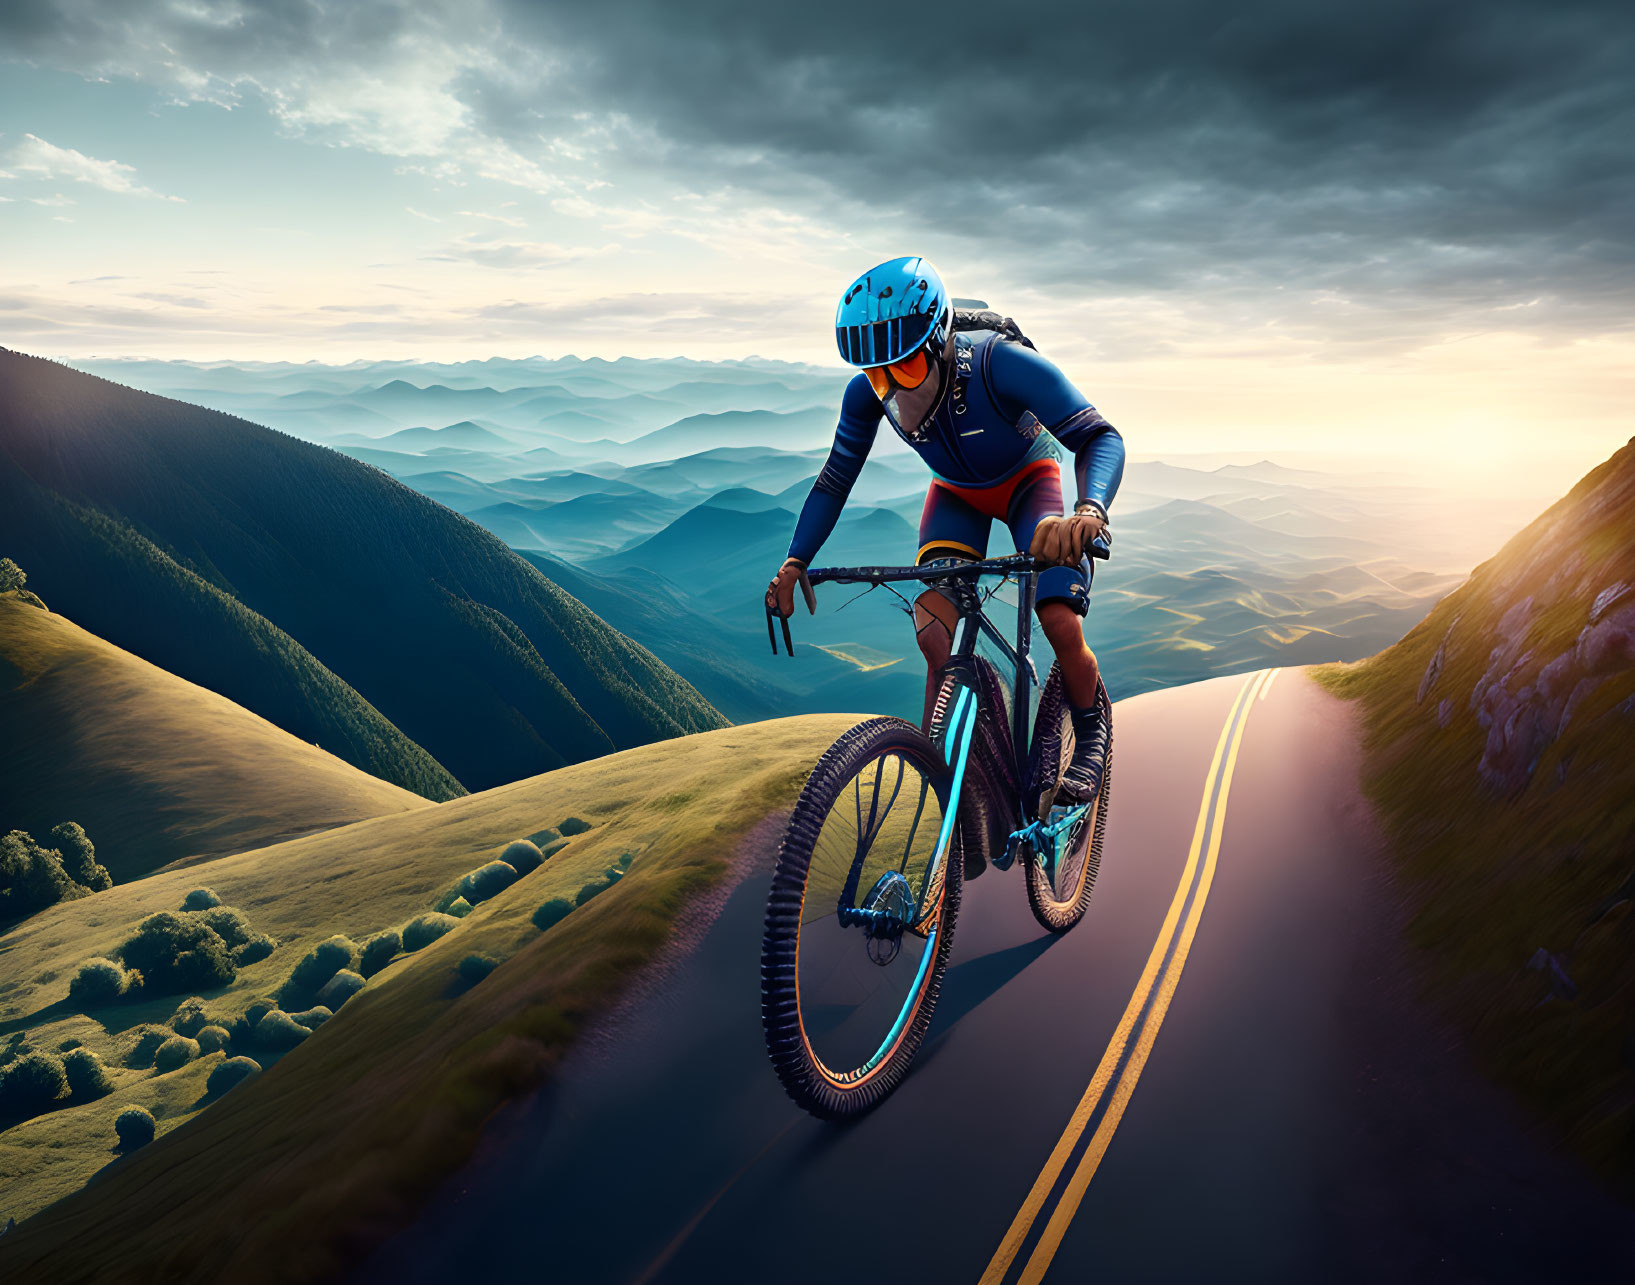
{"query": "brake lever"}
(788, 641)
(771, 634)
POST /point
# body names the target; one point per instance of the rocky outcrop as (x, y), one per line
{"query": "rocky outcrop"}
(1556, 624)
(1526, 700)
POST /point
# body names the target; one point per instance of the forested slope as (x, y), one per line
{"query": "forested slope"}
(128, 510)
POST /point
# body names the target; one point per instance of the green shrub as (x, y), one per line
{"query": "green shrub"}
(97, 983)
(378, 951)
(254, 950)
(148, 1040)
(200, 899)
(612, 874)
(134, 1128)
(278, 1030)
(459, 908)
(177, 953)
(523, 856)
(213, 1039)
(590, 890)
(319, 964)
(422, 930)
(12, 576)
(242, 1028)
(229, 923)
(189, 1017)
(625, 860)
(486, 881)
(31, 1084)
(473, 968)
(87, 1077)
(551, 849)
(175, 1052)
(573, 825)
(258, 1009)
(313, 1018)
(231, 1072)
(79, 858)
(31, 877)
(340, 988)
(552, 912)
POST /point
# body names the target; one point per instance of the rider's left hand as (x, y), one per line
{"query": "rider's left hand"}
(780, 594)
(1063, 540)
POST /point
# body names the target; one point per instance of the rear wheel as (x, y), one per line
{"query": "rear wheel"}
(1060, 866)
(860, 919)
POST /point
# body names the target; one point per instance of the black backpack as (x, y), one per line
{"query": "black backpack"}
(983, 318)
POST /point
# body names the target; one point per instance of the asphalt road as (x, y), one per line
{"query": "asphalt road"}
(1222, 1074)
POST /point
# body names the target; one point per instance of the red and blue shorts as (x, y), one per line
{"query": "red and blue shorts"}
(956, 520)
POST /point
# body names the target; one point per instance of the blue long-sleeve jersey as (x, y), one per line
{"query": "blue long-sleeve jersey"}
(1005, 405)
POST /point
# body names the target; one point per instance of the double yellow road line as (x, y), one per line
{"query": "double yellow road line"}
(1121, 1065)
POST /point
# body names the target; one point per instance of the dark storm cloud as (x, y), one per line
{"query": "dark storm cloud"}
(1458, 162)
(1476, 152)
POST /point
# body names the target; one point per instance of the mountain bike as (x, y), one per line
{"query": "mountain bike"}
(860, 919)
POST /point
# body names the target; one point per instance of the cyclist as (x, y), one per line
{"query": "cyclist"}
(980, 407)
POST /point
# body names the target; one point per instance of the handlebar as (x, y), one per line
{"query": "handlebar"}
(938, 569)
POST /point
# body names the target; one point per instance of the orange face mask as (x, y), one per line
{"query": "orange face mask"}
(910, 372)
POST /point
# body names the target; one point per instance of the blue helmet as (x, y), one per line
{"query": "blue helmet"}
(892, 311)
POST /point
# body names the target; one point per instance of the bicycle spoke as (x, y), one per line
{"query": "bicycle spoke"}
(858, 979)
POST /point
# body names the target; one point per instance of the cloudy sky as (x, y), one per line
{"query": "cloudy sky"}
(1400, 224)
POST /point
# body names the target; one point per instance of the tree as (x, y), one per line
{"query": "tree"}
(32, 1084)
(317, 966)
(230, 1072)
(79, 858)
(523, 856)
(87, 1078)
(134, 1128)
(176, 952)
(97, 983)
(378, 951)
(422, 930)
(12, 576)
(31, 877)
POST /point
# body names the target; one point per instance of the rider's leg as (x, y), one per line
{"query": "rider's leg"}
(1062, 623)
(934, 620)
(1064, 627)
(950, 527)
(1064, 598)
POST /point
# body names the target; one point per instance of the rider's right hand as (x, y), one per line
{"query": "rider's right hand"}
(780, 594)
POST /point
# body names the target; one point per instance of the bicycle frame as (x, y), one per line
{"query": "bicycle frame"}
(959, 578)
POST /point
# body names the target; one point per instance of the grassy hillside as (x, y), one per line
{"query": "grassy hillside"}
(289, 1175)
(156, 769)
(1501, 753)
(117, 502)
(166, 612)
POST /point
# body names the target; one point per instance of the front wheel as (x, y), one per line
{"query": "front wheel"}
(860, 919)
(1060, 864)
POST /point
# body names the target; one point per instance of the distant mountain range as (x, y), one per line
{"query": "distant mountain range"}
(313, 589)
(669, 487)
